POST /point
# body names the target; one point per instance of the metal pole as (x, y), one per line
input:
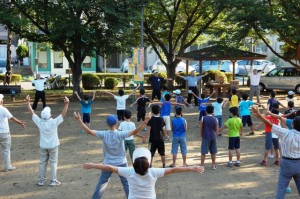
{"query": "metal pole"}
(142, 39)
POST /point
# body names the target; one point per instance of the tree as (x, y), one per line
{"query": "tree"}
(22, 51)
(79, 28)
(174, 25)
(268, 17)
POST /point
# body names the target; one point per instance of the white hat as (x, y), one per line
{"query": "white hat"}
(1, 96)
(291, 93)
(46, 113)
(154, 71)
(141, 152)
(177, 92)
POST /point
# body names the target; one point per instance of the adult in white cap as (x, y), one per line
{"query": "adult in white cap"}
(39, 83)
(156, 82)
(192, 81)
(290, 97)
(113, 150)
(254, 76)
(49, 141)
(141, 177)
(5, 138)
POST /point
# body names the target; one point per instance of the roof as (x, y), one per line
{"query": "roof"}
(219, 52)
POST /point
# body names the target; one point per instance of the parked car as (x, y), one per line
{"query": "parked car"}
(181, 67)
(222, 65)
(257, 64)
(283, 78)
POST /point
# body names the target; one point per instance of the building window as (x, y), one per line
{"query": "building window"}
(42, 56)
(58, 59)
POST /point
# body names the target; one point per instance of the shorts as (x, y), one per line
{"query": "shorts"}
(179, 141)
(234, 143)
(141, 115)
(269, 141)
(86, 118)
(209, 145)
(160, 146)
(167, 120)
(120, 114)
(156, 93)
(201, 114)
(220, 120)
(247, 119)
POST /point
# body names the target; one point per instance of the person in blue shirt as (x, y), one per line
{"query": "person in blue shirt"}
(245, 105)
(202, 102)
(164, 92)
(156, 83)
(86, 108)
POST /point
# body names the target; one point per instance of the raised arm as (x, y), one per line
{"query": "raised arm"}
(197, 169)
(140, 126)
(85, 127)
(65, 109)
(109, 93)
(212, 94)
(256, 112)
(246, 69)
(78, 97)
(134, 90)
(27, 99)
(100, 167)
(94, 95)
(264, 68)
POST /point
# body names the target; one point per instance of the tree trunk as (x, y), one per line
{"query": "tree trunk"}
(171, 74)
(77, 77)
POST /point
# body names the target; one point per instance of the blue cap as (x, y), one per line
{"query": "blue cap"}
(111, 120)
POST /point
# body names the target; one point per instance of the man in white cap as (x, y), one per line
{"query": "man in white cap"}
(156, 82)
(113, 150)
(39, 83)
(140, 177)
(49, 141)
(192, 81)
(254, 76)
(5, 139)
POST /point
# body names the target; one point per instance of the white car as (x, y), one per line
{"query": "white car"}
(181, 67)
(222, 65)
(257, 64)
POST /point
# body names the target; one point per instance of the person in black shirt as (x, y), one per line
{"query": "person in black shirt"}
(156, 82)
(157, 133)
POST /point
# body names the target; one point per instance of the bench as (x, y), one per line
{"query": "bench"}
(11, 90)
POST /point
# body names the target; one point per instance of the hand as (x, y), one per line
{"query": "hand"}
(23, 125)
(148, 117)
(150, 104)
(77, 116)
(198, 169)
(88, 165)
(255, 110)
(66, 100)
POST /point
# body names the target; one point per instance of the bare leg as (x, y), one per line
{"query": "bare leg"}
(174, 159)
(230, 154)
(277, 154)
(163, 160)
(202, 159)
(184, 160)
(266, 155)
(238, 154)
(213, 160)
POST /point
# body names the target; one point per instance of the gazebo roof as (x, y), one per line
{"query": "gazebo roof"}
(219, 52)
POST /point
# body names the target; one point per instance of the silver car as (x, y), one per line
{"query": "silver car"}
(282, 78)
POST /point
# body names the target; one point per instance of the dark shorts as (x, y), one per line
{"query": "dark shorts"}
(86, 118)
(269, 141)
(234, 143)
(246, 119)
(120, 114)
(156, 93)
(160, 146)
(209, 145)
(201, 114)
(141, 115)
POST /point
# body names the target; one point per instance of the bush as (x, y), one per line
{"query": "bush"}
(110, 83)
(15, 78)
(124, 77)
(212, 73)
(90, 81)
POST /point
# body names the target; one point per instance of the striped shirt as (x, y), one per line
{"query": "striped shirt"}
(289, 141)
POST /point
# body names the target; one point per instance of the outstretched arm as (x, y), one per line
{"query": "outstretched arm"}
(212, 94)
(197, 169)
(65, 109)
(109, 93)
(85, 127)
(100, 167)
(27, 99)
(94, 95)
(155, 103)
(19, 122)
(140, 126)
(78, 97)
(256, 112)
(134, 90)
(179, 76)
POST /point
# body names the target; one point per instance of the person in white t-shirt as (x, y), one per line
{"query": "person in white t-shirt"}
(121, 102)
(49, 141)
(127, 125)
(254, 76)
(5, 139)
(39, 84)
(141, 178)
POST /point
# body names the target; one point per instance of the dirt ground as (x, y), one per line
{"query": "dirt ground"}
(251, 180)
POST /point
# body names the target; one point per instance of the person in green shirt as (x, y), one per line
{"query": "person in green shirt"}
(235, 127)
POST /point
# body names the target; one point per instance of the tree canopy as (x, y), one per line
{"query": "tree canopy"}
(76, 27)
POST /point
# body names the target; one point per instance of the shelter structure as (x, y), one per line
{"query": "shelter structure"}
(219, 52)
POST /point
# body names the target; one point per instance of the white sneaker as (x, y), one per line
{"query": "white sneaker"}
(40, 183)
(55, 183)
(11, 168)
(270, 156)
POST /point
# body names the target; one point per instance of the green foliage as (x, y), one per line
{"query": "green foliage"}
(22, 51)
(90, 81)
(110, 83)
(15, 78)
(212, 74)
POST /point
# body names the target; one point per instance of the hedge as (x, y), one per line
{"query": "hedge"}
(15, 78)
(90, 81)
(110, 82)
